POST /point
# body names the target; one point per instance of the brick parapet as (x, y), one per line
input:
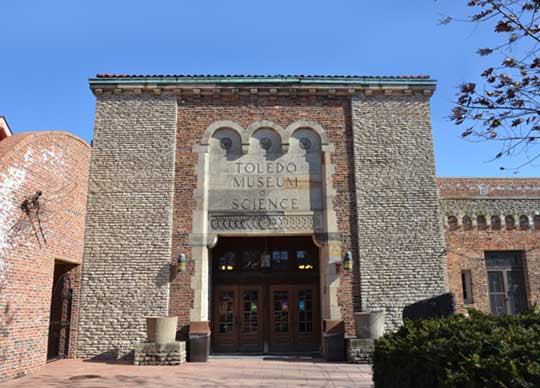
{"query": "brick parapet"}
(453, 188)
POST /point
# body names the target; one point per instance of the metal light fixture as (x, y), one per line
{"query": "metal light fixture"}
(181, 266)
(347, 261)
(227, 262)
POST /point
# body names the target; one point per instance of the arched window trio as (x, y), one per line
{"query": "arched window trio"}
(494, 222)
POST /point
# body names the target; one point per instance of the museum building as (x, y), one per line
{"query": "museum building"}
(267, 204)
(260, 205)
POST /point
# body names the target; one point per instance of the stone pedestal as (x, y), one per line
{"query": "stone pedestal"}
(359, 351)
(150, 353)
(369, 324)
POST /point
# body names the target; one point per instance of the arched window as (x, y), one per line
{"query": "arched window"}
(536, 222)
(510, 222)
(523, 222)
(467, 223)
(481, 222)
(452, 223)
(495, 222)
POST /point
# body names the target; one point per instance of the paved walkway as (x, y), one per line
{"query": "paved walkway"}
(220, 372)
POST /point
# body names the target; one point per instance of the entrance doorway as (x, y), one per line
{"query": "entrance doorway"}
(60, 313)
(506, 282)
(265, 295)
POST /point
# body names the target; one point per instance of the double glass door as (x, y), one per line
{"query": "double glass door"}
(238, 319)
(293, 315)
(276, 318)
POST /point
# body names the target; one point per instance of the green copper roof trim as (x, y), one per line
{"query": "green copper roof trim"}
(382, 81)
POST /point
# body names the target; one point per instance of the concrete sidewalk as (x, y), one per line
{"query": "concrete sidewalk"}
(218, 372)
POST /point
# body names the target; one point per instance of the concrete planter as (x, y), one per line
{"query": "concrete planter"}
(369, 324)
(161, 330)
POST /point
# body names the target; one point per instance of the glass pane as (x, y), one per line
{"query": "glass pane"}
(495, 281)
(250, 311)
(497, 295)
(507, 259)
(497, 303)
(227, 262)
(517, 295)
(305, 315)
(280, 260)
(226, 311)
(281, 311)
(251, 260)
(304, 261)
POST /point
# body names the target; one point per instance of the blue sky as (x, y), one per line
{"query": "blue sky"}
(50, 48)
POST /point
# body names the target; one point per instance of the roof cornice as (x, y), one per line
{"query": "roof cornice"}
(324, 85)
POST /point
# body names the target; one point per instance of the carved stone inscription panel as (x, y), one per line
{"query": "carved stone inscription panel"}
(264, 171)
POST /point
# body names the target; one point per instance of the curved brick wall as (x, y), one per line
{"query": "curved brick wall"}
(55, 163)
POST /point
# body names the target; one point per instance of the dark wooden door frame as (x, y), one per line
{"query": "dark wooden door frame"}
(266, 281)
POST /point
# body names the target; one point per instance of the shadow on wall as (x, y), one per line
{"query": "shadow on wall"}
(7, 316)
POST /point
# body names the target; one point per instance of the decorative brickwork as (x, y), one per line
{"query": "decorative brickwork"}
(401, 244)
(56, 164)
(196, 113)
(129, 222)
(488, 214)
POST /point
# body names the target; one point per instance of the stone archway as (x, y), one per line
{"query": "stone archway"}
(265, 180)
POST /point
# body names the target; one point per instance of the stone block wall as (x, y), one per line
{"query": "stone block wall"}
(129, 221)
(56, 164)
(401, 244)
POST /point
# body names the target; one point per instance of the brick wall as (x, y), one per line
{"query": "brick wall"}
(55, 163)
(196, 113)
(129, 222)
(468, 239)
(401, 244)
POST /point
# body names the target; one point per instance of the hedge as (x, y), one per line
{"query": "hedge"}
(477, 351)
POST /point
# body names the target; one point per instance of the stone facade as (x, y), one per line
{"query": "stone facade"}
(170, 176)
(129, 222)
(134, 126)
(196, 113)
(359, 351)
(401, 246)
(160, 354)
(38, 250)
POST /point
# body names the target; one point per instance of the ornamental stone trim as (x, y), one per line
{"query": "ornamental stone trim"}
(264, 222)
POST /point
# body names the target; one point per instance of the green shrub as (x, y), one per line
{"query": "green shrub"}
(475, 351)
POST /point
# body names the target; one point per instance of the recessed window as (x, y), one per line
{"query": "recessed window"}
(304, 260)
(481, 222)
(523, 222)
(280, 260)
(452, 223)
(466, 287)
(467, 223)
(227, 261)
(510, 222)
(536, 222)
(495, 222)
